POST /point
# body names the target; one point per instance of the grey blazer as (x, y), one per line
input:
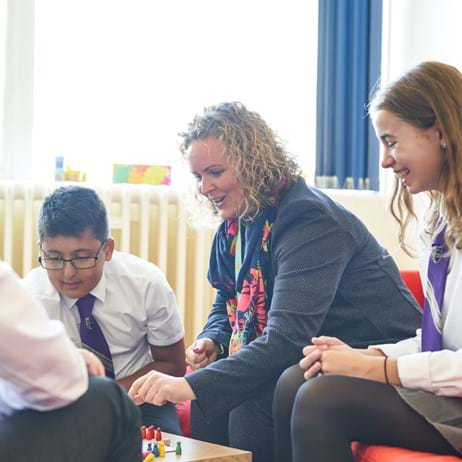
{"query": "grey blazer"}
(330, 277)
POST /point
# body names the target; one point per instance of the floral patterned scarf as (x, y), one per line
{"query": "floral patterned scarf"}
(248, 312)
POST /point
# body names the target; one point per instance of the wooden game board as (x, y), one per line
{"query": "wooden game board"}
(199, 451)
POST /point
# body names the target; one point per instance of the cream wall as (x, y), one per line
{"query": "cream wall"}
(421, 30)
(372, 209)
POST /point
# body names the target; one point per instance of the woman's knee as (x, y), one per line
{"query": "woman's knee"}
(289, 382)
(323, 397)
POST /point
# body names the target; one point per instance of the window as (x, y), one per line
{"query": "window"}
(116, 80)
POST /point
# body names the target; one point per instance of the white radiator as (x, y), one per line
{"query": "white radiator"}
(147, 221)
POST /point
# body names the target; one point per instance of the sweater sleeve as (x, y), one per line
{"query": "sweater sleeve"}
(310, 255)
(218, 328)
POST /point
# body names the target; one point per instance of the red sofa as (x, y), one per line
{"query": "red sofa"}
(365, 453)
(412, 280)
(184, 412)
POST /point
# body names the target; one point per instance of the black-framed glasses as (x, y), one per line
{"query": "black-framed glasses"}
(57, 263)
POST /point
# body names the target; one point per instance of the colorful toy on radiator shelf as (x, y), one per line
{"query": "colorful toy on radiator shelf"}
(74, 175)
(141, 174)
(64, 172)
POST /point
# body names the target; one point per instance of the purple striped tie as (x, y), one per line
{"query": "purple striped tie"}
(91, 334)
(434, 294)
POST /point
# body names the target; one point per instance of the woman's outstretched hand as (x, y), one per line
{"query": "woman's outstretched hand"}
(157, 388)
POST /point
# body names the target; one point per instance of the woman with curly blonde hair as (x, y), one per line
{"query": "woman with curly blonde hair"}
(257, 155)
(287, 263)
(405, 394)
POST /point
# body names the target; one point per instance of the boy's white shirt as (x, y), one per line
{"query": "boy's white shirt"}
(135, 307)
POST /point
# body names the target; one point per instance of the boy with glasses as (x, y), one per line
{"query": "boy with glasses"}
(114, 304)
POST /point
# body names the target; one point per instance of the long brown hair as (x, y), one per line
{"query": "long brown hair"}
(430, 92)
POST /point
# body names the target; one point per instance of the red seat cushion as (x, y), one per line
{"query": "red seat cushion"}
(365, 453)
(414, 284)
(184, 412)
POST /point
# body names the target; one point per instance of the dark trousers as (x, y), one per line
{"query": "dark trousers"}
(103, 425)
(165, 417)
(249, 426)
(319, 418)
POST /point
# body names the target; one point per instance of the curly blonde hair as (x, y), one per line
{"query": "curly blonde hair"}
(430, 92)
(254, 150)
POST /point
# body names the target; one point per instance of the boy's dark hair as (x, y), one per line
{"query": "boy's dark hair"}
(70, 210)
